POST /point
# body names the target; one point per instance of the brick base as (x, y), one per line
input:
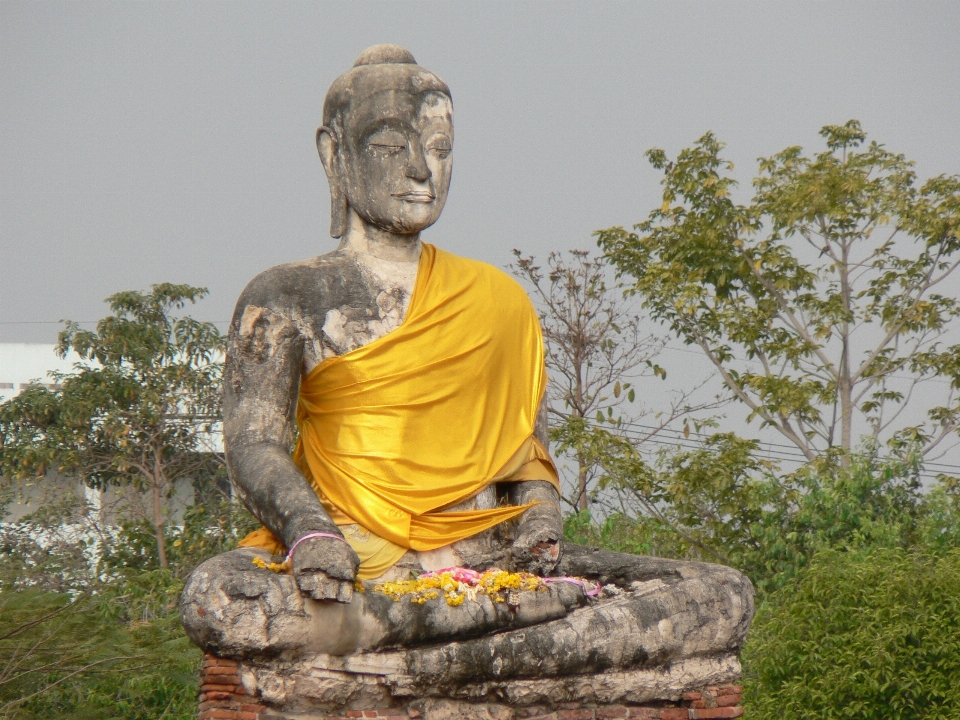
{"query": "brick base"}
(223, 696)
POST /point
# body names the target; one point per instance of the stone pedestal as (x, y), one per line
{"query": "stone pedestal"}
(374, 685)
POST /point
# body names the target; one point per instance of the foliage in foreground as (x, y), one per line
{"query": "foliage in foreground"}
(857, 574)
(118, 654)
(872, 634)
(102, 641)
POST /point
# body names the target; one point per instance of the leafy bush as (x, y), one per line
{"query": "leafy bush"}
(865, 634)
(95, 656)
(622, 533)
(89, 626)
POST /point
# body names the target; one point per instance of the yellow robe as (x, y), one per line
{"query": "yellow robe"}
(426, 416)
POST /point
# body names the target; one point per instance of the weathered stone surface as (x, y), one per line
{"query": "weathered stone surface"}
(305, 691)
(705, 612)
(233, 609)
(377, 679)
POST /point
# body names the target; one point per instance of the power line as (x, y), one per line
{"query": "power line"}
(82, 322)
(678, 439)
(790, 451)
(754, 363)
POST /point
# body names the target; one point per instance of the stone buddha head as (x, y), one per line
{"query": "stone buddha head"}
(386, 143)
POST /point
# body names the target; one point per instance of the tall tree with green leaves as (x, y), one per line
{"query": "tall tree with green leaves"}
(824, 302)
(138, 411)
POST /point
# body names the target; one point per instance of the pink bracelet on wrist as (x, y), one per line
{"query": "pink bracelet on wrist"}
(310, 536)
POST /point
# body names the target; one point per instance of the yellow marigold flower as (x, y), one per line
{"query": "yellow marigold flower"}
(273, 567)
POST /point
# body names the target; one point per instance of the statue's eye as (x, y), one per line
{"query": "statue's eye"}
(390, 148)
(439, 146)
(387, 141)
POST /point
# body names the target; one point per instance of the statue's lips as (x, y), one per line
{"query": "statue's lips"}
(415, 197)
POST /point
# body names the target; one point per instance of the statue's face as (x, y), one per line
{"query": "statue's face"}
(396, 158)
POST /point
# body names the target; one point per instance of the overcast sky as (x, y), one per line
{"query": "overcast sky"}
(147, 142)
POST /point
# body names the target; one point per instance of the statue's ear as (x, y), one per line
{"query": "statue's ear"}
(327, 146)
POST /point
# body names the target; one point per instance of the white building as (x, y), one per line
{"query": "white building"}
(23, 363)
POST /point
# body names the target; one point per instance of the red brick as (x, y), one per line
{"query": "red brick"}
(578, 714)
(550, 716)
(612, 711)
(227, 715)
(248, 707)
(692, 696)
(219, 680)
(217, 695)
(223, 687)
(728, 700)
(354, 713)
(219, 670)
(730, 690)
(675, 714)
(720, 712)
(207, 705)
(645, 713)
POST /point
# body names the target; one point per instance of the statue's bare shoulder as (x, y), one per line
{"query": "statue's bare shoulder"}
(299, 299)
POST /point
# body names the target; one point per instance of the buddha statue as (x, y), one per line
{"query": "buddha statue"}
(384, 418)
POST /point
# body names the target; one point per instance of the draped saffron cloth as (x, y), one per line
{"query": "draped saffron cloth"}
(427, 416)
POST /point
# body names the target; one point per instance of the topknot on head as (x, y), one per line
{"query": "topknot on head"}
(385, 55)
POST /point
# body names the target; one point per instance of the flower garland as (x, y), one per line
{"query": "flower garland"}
(279, 568)
(458, 584)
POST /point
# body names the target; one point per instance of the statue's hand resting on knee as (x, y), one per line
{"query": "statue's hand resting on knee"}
(537, 546)
(325, 569)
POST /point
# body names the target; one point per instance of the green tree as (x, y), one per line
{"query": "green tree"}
(822, 302)
(139, 411)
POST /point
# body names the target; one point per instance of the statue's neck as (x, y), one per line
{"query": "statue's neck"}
(363, 239)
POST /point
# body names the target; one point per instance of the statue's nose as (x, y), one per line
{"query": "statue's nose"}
(417, 165)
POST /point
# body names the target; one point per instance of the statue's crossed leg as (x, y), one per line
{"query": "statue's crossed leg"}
(659, 611)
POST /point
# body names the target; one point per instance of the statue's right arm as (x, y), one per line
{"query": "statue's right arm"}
(261, 383)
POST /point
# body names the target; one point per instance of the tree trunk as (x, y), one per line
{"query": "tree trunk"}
(583, 502)
(159, 522)
(844, 384)
(158, 526)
